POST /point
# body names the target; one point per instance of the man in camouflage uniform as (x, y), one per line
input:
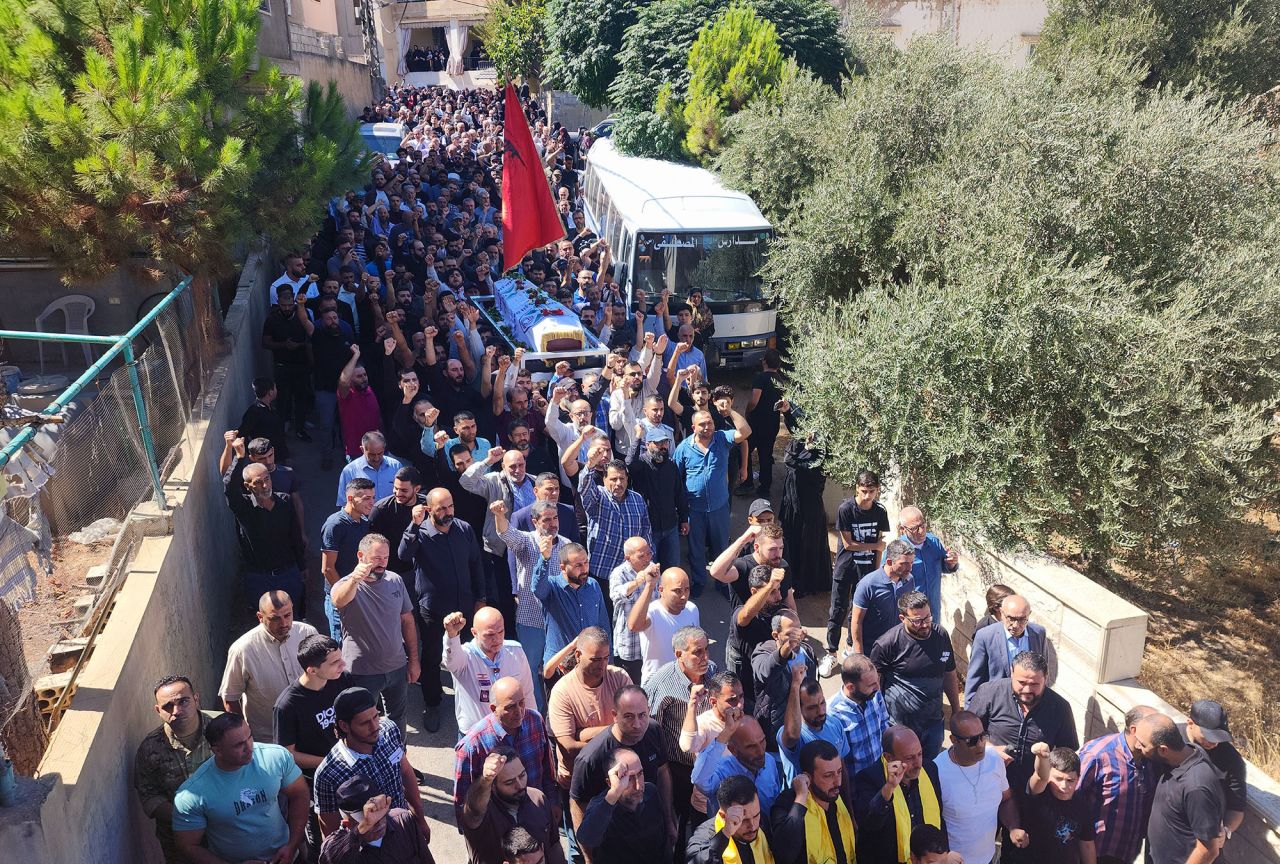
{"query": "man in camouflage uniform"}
(169, 755)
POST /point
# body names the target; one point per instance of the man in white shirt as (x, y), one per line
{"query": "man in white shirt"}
(658, 622)
(477, 665)
(262, 663)
(975, 792)
(295, 276)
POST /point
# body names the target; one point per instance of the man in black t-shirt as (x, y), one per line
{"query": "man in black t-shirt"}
(1207, 728)
(751, 623)
(287, 335)
(917, 666)
(304, 717)
(331, 349)
(635, 730)
(763, 414)
(1187, 807)
(766, 548)
(861, 524)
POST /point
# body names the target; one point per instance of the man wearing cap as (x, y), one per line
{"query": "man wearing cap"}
(1188, 806)
(368, 746)
(657, 480)
(767, 542)
(501, 800)
(372, 829)
(1207, 728)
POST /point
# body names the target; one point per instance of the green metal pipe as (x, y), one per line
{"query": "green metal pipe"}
(38, 336)
(119, 344)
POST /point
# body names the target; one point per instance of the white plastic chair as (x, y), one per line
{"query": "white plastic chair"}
(76, 308)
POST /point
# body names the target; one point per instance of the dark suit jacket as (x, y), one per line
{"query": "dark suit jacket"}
(989, 656)
(877, 830)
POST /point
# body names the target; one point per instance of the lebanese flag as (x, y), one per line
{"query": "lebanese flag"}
(529, 216)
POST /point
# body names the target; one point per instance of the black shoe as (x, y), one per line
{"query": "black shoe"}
(431, 719)
(303, 435)
(746, 490)
(420, 777)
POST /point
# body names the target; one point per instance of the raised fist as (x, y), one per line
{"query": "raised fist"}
(419, 513)
(453, 623)
(498, 508)
(800, 785)
(732, 819)
(495, 455)
(894, 771)
(492, 765)
(1040, 748)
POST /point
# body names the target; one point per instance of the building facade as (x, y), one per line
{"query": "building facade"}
(1009, 28)
(434, 43)
(324, 41)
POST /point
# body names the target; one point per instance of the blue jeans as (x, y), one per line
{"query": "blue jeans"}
(708, 528)
(931, 739)
(534, 642)
(666, 547)
(393, 686)
(326, 421)
(331, 614)
(288, 579)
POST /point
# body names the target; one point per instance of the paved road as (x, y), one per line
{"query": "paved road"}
(433, 754)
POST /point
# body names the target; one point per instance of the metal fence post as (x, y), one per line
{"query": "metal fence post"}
(148, 444)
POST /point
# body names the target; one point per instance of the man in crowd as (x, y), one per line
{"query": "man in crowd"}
(994, 648)
(374, 464)
(479, 664)
(340, 539)
(448, 577)
(771, 665)
(507, 723)
(875, 600)
(379, 637)
(624, 824)
(860, 710)
(932, 558)
(737, 823)
(750, 623)
(513, 488)
(170, 754)
(811, 822)
(976, 798)
(1207, 729)
(657, 480)
(229, 809)
(658, 623)
(269, 532)
(743, 756)
(917, 666)
(1116, 783)
(358, 410)
(262, 420)
(501, 800)
(332, 349)
(892, 798)
(703, 460)
(1188, 806)
(262, 663)
(1019, 711)
(614, 512)
(571, 600)
(369, 821)
(368, 746)
(861, 525)
(625, 584)
(807, 720)
(767, 542)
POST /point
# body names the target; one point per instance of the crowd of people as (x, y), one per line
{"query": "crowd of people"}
(542, 547)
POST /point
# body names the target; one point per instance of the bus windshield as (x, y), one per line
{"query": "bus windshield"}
(725, 265)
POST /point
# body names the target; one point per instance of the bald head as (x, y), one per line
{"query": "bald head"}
(437, 497)
(910, 514)
(748, 745)
(486, 618)
(507, 688)
(1015, 612)
(255, 471)
(273, 600)
(674, 590)
(899, 741)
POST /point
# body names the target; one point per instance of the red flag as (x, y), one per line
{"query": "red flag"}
(529, 215)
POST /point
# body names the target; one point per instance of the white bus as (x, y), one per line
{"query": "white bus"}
(678, 227)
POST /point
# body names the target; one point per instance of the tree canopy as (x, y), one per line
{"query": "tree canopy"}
(514, 36)
(154, 128)
(1231, 48)
(584, 38)
(1040, 303)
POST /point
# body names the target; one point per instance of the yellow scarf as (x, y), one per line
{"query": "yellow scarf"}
(759, 847)
(818, 846)
(902, 816)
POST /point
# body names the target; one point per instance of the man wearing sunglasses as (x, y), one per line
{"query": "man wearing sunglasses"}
(170, 754)
(976, 797)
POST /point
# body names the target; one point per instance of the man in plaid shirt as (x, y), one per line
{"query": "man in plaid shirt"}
(512, 724)
(614, 513)
(861, 711)
(625, 582)
(370, 746)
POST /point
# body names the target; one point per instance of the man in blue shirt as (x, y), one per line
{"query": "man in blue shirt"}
(746, 758)
(571, 600)
(703, 460)
(875, 600)
(374, 465)
(683, 348)
(932, 558)
(229, 808)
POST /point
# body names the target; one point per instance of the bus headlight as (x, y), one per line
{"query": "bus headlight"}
(754, 307)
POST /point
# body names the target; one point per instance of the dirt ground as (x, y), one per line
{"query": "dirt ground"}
(1214, 632)
(51, 615)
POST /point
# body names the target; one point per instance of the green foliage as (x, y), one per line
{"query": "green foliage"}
(735, 59)
(1042, 304)
(583, 41)
(655, 51)
(1230, 48)
(514, 36)
(128, 128)
(649, 134)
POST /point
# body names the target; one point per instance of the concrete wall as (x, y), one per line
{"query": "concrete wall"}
(1007, 27)
(273, 33)
(168, 618)
(322, 57)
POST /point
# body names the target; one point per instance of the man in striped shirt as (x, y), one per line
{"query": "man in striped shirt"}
(1117, 784)
(614, 512)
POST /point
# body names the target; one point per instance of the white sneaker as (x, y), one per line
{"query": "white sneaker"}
(828, 666)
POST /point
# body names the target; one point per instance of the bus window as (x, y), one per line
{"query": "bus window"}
(725, 265)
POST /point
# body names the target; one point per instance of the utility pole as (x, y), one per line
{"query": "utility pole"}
(366, 13)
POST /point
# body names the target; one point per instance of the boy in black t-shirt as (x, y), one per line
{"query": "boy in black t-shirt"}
(1057, 821)
(861, 523)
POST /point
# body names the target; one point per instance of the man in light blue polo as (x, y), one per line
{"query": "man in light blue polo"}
(703, 460)
(875, 600)
(374, 464)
